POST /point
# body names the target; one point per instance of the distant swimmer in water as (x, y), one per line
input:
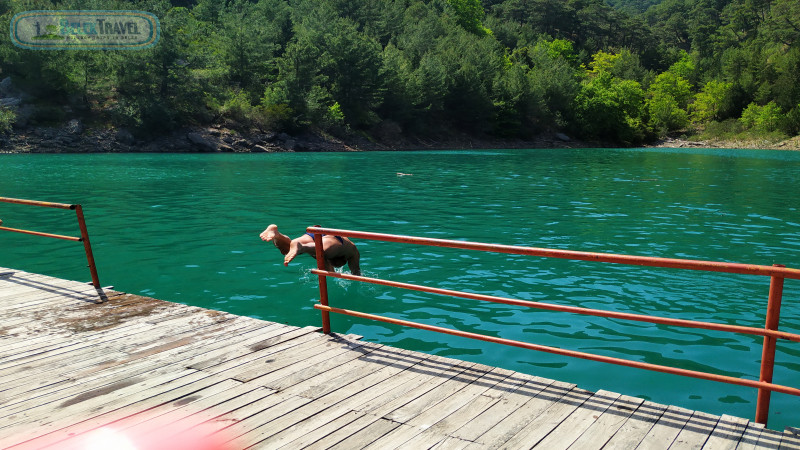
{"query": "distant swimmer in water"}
(338, 250)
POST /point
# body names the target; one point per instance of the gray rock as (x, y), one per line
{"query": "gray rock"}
(563, 137)
(124, 136)
(202, 142)
(45, 132)
(74, 126)
(6, 86)
(24, 115)
(10, 102)
(259, 149)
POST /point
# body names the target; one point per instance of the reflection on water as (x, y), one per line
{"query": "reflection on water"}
(185, 228)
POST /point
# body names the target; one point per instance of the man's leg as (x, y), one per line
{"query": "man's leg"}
(298, 246)
(280, 240)
(331, 248)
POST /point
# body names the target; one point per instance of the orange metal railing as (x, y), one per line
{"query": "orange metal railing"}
(770, 332)
(81, 224)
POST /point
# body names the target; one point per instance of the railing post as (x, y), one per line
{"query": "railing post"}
(768, 352)
(323, 282)
(87, 246)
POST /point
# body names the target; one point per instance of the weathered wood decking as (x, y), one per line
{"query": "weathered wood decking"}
(138, 368)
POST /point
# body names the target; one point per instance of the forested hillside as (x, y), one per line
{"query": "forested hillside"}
(625, 74)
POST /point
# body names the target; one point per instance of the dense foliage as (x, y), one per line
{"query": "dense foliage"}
(511, 68)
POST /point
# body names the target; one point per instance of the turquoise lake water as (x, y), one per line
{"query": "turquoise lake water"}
(185, 228)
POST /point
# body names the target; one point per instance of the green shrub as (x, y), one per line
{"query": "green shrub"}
(7, 119)
(762, 118)
(790, 123)
(237, 107)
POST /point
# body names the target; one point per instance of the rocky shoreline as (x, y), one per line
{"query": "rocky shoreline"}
(73, 137)
(789, 144)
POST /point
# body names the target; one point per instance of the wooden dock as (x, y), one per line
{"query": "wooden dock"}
(74, 372)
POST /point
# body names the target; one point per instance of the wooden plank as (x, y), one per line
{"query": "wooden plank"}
(362, 437)
(48, 293)
(344, 368)
(550, 418)
(86, 426)
(438, 436)
(161, 386)
(117, 372)
(637, 426)
(342, 401)
(790, 439)
(9, 292)
(440, 403)
(29, 424)
(14, 291)
(63, 333)
(76, 329)
(218, 409)
(272, 341)
(770, 439)
(525, 389)
(381, 380)
(424, 377)
(310, 434)
(30, 301)
(438, 432)
(206, 332)
(186, 410)
(535, 397)
(294, 352)
(468, 412)
(384, 367)
(418, 411)
(452, 443)
(696, 431)
(750, 437)
(727, 434)
(35, 306)
(663, 433)
(100, 359)
(242, 430)
(180, 410)
(331, 409)
(580, 420)
(129, 339)
(329, 352)
(607, 424)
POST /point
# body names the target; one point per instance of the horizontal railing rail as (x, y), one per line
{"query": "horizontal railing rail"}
(770, 332)
(84, 237)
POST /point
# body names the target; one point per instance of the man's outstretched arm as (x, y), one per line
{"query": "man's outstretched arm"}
(353, 262)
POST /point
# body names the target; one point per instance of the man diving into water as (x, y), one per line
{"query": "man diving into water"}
(337, 250)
